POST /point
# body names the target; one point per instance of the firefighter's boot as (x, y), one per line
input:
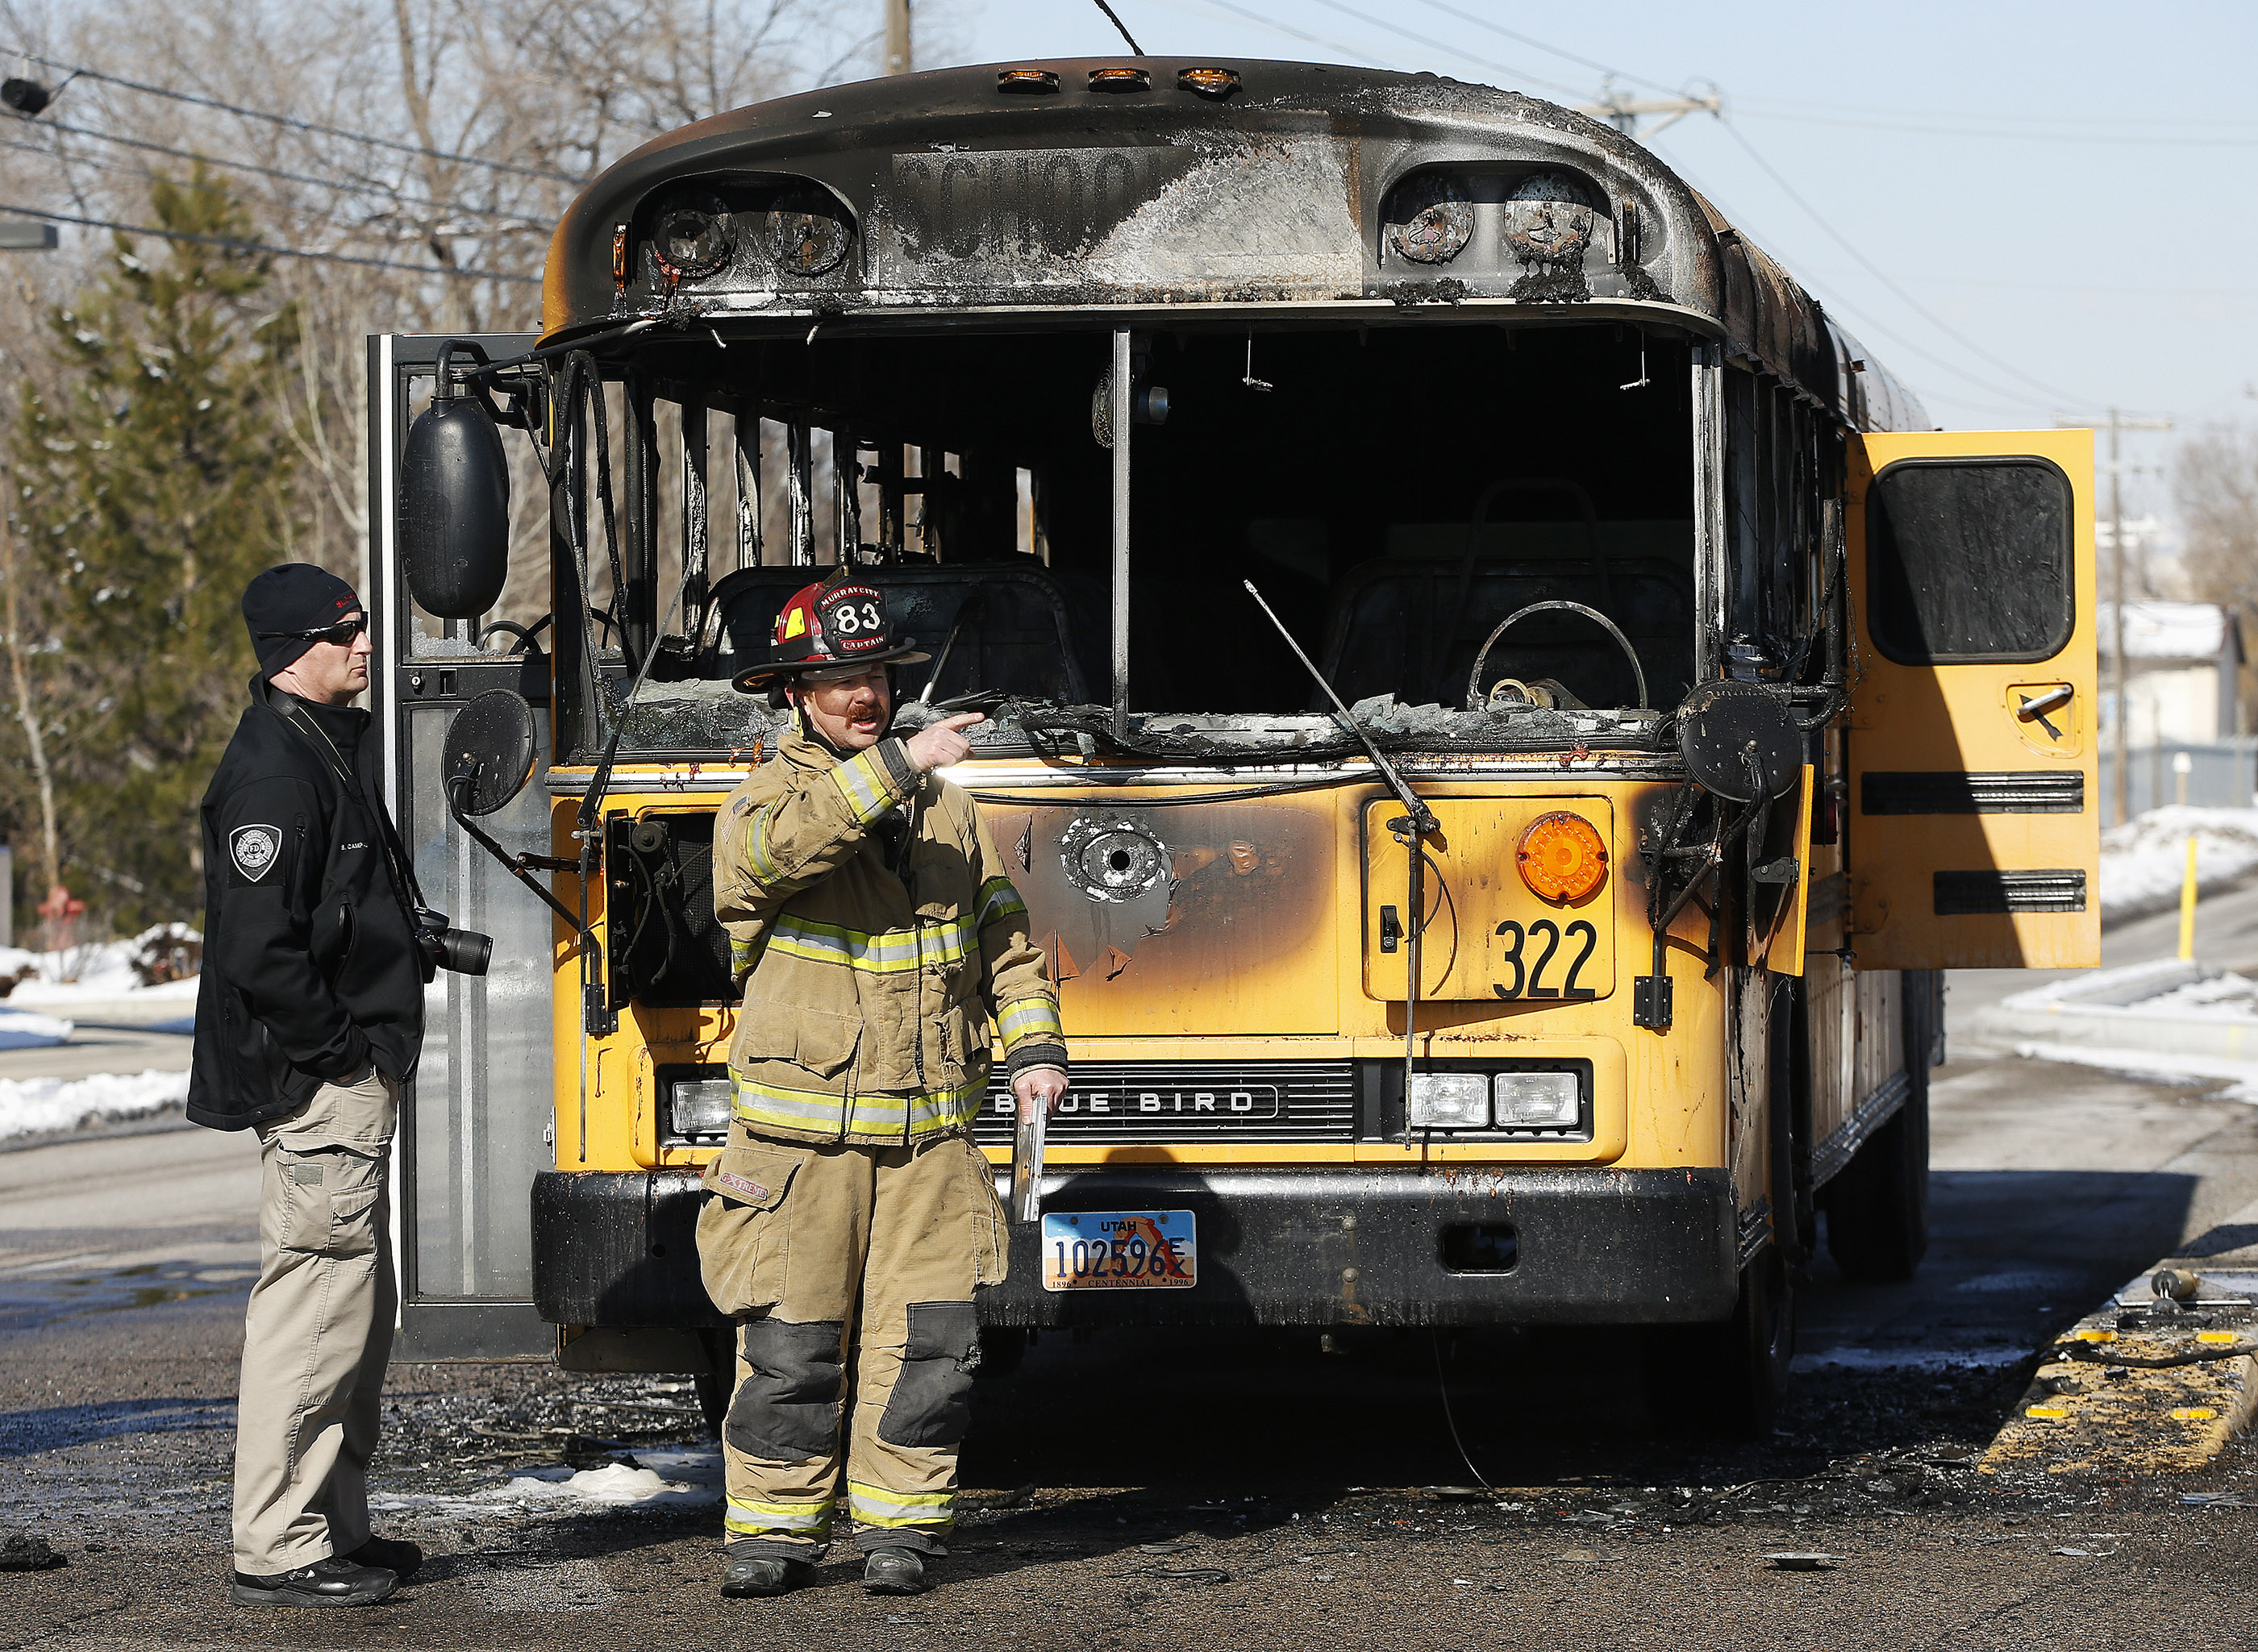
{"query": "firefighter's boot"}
(754, 1576)
(894, 1571)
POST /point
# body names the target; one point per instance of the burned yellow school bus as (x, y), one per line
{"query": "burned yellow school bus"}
(1702, 702)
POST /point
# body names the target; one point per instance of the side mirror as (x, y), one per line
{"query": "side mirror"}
(1739, 741)
(488, 753)
(454, 501)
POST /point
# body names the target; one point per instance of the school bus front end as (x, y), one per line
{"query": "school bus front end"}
(1566, 966)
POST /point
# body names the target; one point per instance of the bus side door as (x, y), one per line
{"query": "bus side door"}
(1974, 806)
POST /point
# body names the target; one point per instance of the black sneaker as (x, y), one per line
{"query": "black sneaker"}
(894, 1571)
(400, 1559)
(334, 1582)
(759, 1575)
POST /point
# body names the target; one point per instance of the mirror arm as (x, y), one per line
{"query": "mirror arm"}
(515, 865)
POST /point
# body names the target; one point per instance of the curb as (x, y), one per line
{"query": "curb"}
(2104, 1009)
(2083, 1414)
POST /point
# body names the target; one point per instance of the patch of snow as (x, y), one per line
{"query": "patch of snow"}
(96, 971)
(38, 1106)
(2225, 997)
(2155, 1066)
(647, 1479)
(27, 1030)
(2144, 860)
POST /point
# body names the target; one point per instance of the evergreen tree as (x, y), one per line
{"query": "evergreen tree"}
(153, 480)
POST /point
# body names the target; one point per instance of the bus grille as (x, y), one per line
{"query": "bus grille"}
(1191, 1102)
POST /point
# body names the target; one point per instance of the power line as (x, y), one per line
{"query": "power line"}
(233, 245)
(344, 186)
(2113, 138)
(1350, 53)
(146, 175)
(292, 123)
(1481, 22)
(1432, 44)
(1868, 264)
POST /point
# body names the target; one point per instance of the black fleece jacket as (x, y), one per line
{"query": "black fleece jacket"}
(311, 971)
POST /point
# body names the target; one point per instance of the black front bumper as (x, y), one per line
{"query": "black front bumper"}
(1275, 1247)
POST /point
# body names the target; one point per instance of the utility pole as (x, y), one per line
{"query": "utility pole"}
(897, 37)
(1623, 111)
(2117, 425)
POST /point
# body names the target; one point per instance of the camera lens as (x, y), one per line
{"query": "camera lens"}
(464, 950)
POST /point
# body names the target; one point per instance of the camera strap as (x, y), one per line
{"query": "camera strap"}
(404, 886)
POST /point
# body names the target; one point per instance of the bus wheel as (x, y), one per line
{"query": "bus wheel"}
(1727, 1377)
(1878, 1207)
(1002, 1347)
(717, 1384)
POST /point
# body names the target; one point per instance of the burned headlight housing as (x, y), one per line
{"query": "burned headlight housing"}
(697, 1103)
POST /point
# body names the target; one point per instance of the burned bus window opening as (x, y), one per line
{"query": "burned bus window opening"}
(1396, 491)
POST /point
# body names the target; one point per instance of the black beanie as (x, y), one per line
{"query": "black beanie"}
(295, 597)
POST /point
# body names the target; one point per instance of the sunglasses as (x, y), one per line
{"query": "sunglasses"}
(342, 633)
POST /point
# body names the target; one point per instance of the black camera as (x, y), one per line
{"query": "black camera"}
(464, 950)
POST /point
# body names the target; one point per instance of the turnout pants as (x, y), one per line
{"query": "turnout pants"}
(850, 1270)
(318, 1330)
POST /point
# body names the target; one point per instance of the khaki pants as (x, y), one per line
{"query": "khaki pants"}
(851, 1272)
(318, 1330)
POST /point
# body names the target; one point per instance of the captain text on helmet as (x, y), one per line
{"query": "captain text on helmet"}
(882, 951)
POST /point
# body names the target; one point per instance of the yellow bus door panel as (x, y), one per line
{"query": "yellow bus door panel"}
(1485, 934)
(1157, 920)
(1974, 822)
(1781, 950)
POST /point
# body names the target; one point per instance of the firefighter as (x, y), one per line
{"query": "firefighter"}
(309, 1019)
(850, 1219)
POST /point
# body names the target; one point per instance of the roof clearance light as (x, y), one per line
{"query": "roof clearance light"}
(694, 237)
(1209, 83)
(1561, 857)
(1027, 81)
(1123, 79)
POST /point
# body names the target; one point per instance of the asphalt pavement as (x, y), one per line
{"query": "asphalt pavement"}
(1198, 1489)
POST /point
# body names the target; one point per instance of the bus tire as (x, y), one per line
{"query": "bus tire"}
(1727, 1377)
(1878, 1207)
(717, 1384)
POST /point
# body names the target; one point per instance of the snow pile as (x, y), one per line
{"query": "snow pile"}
(93, 972)
(2144, 860)
(27, 1030)
(2225, 997)
(645, 1479)
(561, 1490)
(36, 1106)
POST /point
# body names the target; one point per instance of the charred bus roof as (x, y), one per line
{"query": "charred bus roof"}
(1090, 186)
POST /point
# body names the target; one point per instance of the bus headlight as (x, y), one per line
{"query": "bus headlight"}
(1538, 1101)
(699, 1106)
(1450, 1101)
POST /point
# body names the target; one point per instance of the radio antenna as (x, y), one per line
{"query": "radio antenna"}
(1412, 829)
(1124, 27)
(1421, 821)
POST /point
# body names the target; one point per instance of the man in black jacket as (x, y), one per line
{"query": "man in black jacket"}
(309, 1020)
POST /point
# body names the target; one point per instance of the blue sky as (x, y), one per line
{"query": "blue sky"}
(2026, 211)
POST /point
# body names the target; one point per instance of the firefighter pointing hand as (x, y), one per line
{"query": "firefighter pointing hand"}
(850, 1218)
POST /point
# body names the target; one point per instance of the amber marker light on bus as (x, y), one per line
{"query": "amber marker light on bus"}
(620, 257)
(1026, 80)
(1561, 857)
(1122, 79)
(1209, 83)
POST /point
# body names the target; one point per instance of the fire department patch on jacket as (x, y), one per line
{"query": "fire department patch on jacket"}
(254, 849)
(743, 1187)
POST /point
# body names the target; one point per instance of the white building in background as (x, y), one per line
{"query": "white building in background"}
(2183, 662)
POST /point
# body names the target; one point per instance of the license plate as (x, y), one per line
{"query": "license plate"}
(1120, 1251)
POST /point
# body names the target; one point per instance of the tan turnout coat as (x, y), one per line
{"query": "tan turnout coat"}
(870, 999)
